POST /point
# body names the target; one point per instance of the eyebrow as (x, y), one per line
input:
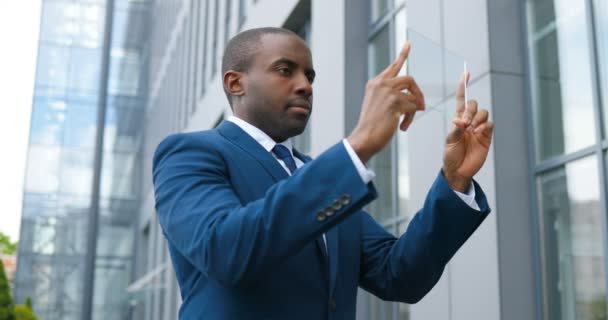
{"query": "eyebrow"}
(292, 64)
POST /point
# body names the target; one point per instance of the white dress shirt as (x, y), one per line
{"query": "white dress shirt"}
(366, 174)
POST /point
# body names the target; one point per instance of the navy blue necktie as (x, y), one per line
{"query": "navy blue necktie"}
(283, 153)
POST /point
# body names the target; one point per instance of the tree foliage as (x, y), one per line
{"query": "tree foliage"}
(6, 246)
(7, 311)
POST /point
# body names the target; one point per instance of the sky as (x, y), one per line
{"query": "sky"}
(19, 27)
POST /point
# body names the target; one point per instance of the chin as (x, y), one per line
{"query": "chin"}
(297, 129)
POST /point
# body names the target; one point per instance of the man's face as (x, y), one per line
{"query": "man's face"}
(278, 87)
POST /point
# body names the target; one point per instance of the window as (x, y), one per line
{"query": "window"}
(561, 76)
(573, 254)
(387, 35)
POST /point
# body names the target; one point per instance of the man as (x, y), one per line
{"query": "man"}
(257, 230)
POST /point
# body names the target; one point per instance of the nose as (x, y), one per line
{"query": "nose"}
(303, 86)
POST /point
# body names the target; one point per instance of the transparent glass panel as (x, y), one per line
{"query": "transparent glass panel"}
(52, 65)
(76, 172)
(112, 276)
(123, 128)
(42, 169)
(436, 69)
(48, 117)
(572, 241)
(125, 72)
(80, 126)
(115, 240)
(561, 66)
(119, 176)
(85, 69)
(57, 22)
(128, 28)
(89, 24)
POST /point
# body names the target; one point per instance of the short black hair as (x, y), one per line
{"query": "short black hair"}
(239, 52)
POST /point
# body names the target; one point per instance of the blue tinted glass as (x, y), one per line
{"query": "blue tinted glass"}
(48, 118)
(52, 68)
(85, 69)
(80, 126)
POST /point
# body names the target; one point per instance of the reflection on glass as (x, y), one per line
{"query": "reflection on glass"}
(89, 25)
(573, 255)
(112, 276)
(85, 69)
(57, 24)
(51, 68)
(563, 106)
(119, 176)
(379, 8)
(76, 172)
(80, 126)
(123, 128)
(124, 72)
(42, 169)
(48, 117)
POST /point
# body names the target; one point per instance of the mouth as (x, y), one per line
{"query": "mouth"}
(300, 106)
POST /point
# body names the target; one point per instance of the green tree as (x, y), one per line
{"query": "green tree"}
(22, 312)
(6, 246)
(7, 311)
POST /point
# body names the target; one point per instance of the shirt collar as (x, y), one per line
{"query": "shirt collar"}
(258, 135)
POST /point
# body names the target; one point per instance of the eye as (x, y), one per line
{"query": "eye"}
(284, 71)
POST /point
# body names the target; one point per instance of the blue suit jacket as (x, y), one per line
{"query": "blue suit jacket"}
(244, 237)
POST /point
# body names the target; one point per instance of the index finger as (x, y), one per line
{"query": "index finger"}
(460, 103)
(393, 69)
(407, 82)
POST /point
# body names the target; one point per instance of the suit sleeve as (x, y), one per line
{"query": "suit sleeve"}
(233, 242)
(406, 268)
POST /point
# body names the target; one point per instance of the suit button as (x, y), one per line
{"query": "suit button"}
(337, 205)
(332, 304)
(321, 216)
(329, 212)
(345, 199)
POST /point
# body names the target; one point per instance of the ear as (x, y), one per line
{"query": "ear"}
(233, 83)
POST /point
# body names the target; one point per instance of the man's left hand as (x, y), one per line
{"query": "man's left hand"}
(468, 143)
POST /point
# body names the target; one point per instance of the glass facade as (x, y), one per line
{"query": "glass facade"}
(58, 198)
(568, 71)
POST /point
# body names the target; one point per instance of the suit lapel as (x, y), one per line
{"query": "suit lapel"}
(244, 141)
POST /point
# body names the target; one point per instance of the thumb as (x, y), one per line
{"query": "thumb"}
(457, 131)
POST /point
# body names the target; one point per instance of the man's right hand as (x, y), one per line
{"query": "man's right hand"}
(383, 105)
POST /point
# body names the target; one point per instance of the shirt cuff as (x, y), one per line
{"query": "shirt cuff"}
(366, 174)
(469, 197)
